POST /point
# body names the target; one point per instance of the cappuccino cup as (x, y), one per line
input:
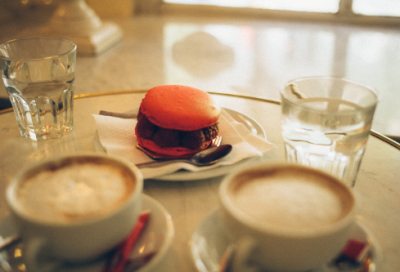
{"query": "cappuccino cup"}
(286, 217)
(74, 208)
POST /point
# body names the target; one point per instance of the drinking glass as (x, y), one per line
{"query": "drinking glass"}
(326, 122)
(39, 76)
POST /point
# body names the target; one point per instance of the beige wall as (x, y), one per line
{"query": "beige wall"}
(107, 8)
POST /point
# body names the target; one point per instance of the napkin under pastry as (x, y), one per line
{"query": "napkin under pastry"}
(117, 136)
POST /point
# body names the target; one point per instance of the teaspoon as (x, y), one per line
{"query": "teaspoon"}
(203, 158)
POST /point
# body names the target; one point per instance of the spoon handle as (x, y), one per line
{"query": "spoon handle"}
(155, 164)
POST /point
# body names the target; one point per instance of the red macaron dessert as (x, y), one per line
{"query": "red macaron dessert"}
(177, 121)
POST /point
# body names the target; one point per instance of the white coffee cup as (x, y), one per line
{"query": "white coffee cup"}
(286, 217)
(74, 208)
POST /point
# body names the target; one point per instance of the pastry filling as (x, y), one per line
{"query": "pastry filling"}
(173, 138)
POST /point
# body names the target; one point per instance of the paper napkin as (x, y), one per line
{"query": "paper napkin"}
(117, 137)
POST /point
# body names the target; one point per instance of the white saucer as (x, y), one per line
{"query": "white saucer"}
(209, 242)
(251, 124)
(156, 237)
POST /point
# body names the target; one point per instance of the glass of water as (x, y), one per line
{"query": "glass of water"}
(326, 122)
(39, 76)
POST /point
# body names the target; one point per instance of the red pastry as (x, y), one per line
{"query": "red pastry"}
(177, 120)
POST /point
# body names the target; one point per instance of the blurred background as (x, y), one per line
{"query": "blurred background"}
(238, 46)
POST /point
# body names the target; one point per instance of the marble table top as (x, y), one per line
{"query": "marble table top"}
(189, 202)
(242, 56)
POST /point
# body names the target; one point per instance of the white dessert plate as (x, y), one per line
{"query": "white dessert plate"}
(209, 242)
(183, 175)
(156, 238)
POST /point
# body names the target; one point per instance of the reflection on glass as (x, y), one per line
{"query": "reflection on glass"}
(377, 7)
(287, 54)
(212, 56)
(208, 54)
(245, 59)
(373, 59)
(328, 6)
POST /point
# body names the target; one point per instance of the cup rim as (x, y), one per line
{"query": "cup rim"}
(73, 49)
(11, 190)
(366, 86)
(250, 222)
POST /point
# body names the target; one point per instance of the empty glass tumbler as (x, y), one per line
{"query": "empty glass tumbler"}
(326, 122)
(39, 76)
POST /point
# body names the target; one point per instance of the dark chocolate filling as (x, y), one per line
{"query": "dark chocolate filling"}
(173, 138)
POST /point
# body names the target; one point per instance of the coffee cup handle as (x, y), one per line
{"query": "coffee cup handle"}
(242, 259)
(33, 261)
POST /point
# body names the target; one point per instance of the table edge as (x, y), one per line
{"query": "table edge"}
(374, 133)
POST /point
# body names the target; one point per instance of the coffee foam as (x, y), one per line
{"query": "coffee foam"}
(292, 199)
(75, 191)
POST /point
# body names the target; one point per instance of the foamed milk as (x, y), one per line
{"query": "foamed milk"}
(293, 199)
(75, 191)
